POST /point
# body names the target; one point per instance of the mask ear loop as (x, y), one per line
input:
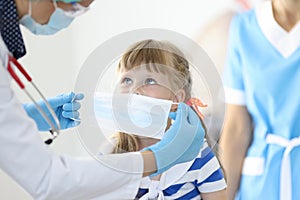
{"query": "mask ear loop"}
(55, 4)
(29, 8)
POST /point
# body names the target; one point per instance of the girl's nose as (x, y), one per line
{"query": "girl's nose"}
(138, 90)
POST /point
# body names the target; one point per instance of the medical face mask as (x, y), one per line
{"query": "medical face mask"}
(132, 114)
(59, 19)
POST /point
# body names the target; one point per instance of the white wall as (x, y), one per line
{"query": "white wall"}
(54, 61)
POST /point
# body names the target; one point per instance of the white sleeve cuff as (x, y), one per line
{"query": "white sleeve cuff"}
(235, 96)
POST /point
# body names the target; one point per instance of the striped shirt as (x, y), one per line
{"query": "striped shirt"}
(186, 180)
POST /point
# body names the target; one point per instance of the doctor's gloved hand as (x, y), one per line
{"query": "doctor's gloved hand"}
(182, 142)
(65, 106)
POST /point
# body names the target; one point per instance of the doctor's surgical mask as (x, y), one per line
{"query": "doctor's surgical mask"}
(58, 20)
(132, 114)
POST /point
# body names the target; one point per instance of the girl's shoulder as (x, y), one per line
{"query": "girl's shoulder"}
(205, 156)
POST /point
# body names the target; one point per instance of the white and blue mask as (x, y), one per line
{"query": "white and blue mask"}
(132, 114)
(59, 20)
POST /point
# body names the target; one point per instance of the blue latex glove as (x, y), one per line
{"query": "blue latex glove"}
(182, 142)
(65, 106)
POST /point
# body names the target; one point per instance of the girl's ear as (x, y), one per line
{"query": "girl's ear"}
(179, 96)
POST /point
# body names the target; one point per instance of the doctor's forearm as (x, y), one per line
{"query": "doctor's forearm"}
(149, 163)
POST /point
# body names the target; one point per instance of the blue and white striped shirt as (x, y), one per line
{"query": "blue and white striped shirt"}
(186, 180)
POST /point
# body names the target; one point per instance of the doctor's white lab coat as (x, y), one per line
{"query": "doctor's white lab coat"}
(46, 175)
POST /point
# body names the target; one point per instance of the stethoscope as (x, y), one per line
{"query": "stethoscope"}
(77, 10)
(55, 126)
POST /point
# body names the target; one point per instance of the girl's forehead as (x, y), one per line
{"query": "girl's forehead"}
(140, 71)
(150, 68)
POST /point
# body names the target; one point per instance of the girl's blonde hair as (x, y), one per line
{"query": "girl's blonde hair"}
(152, 54)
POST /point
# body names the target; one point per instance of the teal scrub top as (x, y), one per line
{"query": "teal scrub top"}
(268, 84)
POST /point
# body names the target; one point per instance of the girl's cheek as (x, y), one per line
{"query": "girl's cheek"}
(122, 90)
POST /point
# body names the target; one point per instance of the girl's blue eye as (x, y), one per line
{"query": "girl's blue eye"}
(126, 81)
(150, 81)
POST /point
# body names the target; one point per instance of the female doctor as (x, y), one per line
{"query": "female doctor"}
(45, 175)
(260, 142)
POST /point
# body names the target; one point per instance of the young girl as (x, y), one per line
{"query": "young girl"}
(158, 69)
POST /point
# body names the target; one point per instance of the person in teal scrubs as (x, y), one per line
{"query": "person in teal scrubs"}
(260, 142)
